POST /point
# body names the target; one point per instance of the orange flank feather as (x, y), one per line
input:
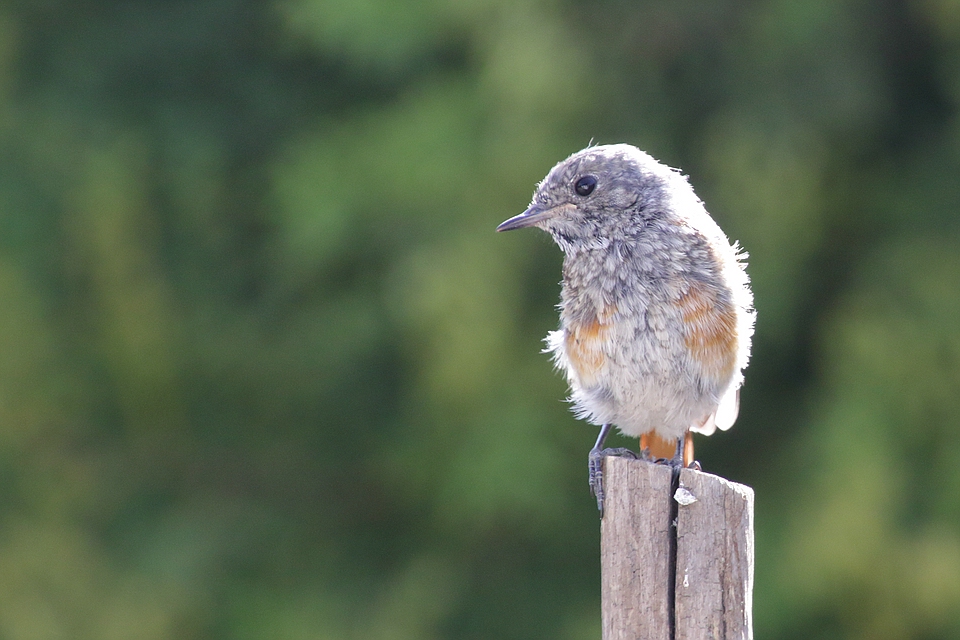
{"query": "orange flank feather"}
(710, 328)
(584, 346)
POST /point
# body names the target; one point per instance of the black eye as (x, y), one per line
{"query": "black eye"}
(585, 185)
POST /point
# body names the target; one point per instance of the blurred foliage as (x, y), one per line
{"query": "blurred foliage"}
(267, 372)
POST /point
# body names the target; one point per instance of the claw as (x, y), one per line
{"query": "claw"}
(595, 464)
(596, 471)
(595, 467)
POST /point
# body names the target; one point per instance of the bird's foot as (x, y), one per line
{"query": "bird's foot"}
(647, 457)
(596, 470)
(683, 454)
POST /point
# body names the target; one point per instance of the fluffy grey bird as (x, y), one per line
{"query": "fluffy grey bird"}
(656, 312)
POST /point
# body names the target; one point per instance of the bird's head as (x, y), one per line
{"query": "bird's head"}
(599, 193)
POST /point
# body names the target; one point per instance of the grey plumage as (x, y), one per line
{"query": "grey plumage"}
(656, 312)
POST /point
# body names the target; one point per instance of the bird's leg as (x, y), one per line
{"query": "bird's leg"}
(595, 464)
(678, 458)
(683, 458)
(688, 460)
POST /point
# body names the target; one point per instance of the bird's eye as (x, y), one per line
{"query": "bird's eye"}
(585, 185)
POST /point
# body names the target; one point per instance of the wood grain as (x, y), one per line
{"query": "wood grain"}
(634, 550)
(713, 591)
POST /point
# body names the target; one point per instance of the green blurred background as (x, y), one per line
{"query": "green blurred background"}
(266, 370)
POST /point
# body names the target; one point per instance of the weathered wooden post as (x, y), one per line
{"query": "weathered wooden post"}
(676, 554)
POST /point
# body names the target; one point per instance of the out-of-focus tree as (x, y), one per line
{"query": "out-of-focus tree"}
(266, 371)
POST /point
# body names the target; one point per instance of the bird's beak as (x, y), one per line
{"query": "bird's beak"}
(528, 218)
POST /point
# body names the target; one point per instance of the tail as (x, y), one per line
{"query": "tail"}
(658, 447)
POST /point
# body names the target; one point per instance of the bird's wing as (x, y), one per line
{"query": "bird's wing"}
(728, 410)
(724, 417)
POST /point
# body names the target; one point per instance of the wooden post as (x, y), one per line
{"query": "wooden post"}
(688, 581)
(635, 550)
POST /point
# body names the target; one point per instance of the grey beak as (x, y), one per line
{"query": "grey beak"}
(528, 218)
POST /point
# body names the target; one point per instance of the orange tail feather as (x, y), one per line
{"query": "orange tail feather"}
(662, 448)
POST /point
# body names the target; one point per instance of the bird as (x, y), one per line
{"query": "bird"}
(656, 309)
